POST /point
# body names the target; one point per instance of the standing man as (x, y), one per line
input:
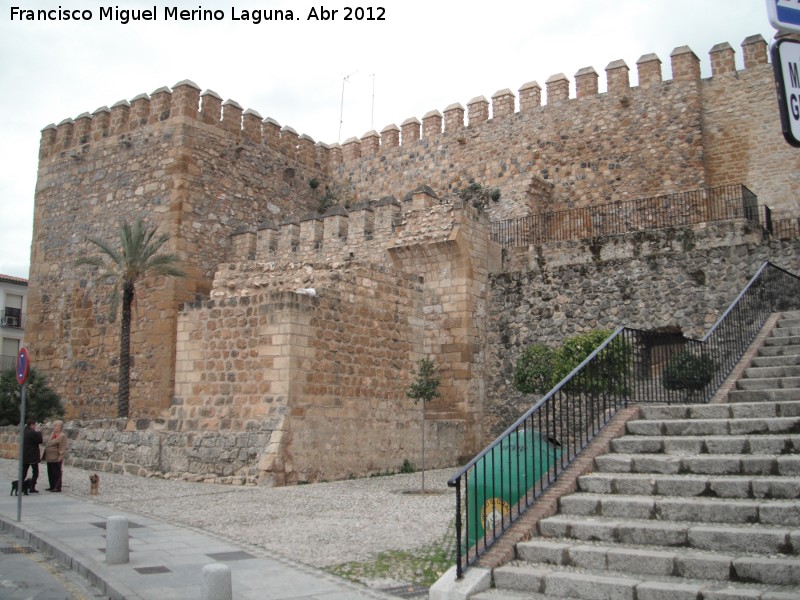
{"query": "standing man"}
(31, 456)
(54, 453)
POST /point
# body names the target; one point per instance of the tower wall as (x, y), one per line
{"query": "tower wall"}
(184, 167)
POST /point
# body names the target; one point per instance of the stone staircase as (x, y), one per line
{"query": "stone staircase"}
(695, 502)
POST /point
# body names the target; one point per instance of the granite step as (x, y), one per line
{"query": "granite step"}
(740, 410)
(763, 395)
(499, 594)
(700, 445)
(787, 328)
(723, 537)
(776, 357)
(707, 510)
(782, 340)
(768, 383)
(560, 582)
(710, 464)
(690, 486)
(661, 562)
(777, 371)
(716, 427)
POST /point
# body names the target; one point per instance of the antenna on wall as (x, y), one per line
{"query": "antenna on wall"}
(341, 105)
(372, 115)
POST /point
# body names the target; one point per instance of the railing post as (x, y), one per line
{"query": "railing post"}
(459, 566)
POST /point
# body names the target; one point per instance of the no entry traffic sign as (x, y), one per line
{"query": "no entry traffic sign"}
(23, 366)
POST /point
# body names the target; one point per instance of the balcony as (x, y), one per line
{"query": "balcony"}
(12, 317)
(7, 363)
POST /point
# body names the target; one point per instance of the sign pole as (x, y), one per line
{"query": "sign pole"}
(20, 485)
(23, 368)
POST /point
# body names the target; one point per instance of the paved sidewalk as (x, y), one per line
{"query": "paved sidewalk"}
(167, 555)
(166, 560)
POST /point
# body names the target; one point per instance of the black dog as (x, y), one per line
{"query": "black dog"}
(27, 486)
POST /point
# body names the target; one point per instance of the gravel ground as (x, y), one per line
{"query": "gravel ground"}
(320, 524)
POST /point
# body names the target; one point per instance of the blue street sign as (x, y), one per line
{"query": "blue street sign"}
(23, 366)
(784, 15)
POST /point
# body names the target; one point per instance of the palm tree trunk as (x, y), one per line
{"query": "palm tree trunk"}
(123, 396)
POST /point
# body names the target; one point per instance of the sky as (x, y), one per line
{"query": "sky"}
(330, 79)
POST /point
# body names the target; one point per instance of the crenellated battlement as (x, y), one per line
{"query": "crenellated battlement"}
(185, 99)
(364, 231)
(684, 62)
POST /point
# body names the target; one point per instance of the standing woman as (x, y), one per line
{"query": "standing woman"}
(54, 453)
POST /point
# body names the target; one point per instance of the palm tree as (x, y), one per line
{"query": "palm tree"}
(137, 257)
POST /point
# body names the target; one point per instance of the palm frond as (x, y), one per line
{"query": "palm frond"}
(90, 261)
(106, 249)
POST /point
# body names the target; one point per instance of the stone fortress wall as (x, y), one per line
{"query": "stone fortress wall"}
(242, 373)
(588, 148)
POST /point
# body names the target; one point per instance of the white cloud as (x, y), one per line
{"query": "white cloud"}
(424, 56)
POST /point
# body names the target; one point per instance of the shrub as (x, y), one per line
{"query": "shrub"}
(540, 368)
(41, 402)
(535, 371)
(478, 195)
(327, 200)
(688, 371)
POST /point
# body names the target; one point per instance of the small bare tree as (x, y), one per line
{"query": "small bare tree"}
(425, 388)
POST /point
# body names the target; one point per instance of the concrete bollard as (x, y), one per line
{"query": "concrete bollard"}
(216, 584)
(117, 552)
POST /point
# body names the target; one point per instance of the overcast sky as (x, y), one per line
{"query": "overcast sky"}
(424, 55)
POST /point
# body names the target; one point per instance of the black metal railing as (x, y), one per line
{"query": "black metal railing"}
(631, 366)
(785, 228)
(722, 203)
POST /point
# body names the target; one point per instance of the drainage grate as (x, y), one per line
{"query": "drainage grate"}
(237, 555)
(152, 570)
(17, 550)
(407, 591)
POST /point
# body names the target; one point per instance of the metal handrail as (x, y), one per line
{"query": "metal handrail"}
(630, 366)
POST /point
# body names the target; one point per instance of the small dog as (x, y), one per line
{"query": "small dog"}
(27, 486)
(94, 484)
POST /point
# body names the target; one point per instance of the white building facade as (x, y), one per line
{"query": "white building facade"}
(13, 305)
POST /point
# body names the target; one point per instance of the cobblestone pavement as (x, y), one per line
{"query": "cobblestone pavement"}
(321, 524)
